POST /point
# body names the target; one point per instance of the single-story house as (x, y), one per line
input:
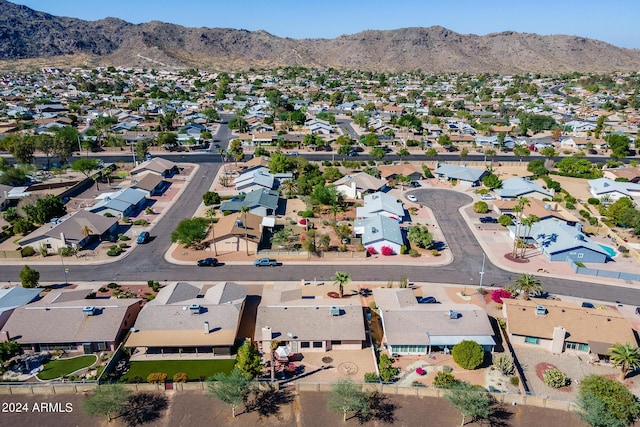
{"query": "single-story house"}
(433, 327)
(357, 185)
(122, 203)
(514, 188)
(74, 230)
(230, 233)
(379, 231)
(157, 165)
(66, 319)
(187, 320)
(309, 324)
(13, 298)
(460, 173)
(578, 142)
(542, 210)
(151, 184)
(604, 187)
(630, 173)
(380, 203)
(390, 172)
(559, 326)
(559, 241)
(260, 202)
(256, 178)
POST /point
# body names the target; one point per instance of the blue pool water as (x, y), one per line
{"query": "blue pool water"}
(609, 250)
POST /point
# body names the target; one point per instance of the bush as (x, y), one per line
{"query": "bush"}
(370, 377)
(27, 251)
(593, 201)
(65, 251)
(504, 363)
(371, 250)
(435, 252)
(386, 251)
(554, 377)
(103, 289)
(140, 222)
(584, 214)
(447, 368)
(570, 206)
(468, 354)
(497, 295)
(211, 198)
(505, 220)
(149, 211)
(444, 380)
(113, 285)
(123, 237)
(593, 221)
(570, 199)
(403, 250)
(514, 381)
(306, 214)
(180, 377)
(122, 245)
(136, 379)
(386, 368)
(126, 219)
(480, 207)
(156, 378)
(108, 214)
(413, 253)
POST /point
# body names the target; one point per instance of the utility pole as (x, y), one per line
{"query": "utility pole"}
(482, 270)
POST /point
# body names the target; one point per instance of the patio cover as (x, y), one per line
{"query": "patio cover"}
(443, 340)
(282, 353)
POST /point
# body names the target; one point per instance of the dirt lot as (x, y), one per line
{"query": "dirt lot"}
(304, 409)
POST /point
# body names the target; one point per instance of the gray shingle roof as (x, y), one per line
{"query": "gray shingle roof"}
(460, 172)
(516, 187)
(378, 228)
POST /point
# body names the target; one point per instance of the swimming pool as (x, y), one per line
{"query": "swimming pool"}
(609, 250)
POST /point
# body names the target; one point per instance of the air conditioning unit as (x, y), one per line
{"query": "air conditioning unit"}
(453, 314)
(89, 310)
(541, 310)
(334, 310)
(194, 308)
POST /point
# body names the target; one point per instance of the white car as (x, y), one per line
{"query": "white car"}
(412, 198)
(488, 196)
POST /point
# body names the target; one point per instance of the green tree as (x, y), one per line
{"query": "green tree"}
(377, 153)
(279, 163)
(107, 400)
(548, 152)
(492, 181)
(619, 145)
(211, 114)
(85, 166)
(521, 151)
(236, 151)
(480, 207)
(45, 209)
(444, 380)
(444, 140)
(348, 397)
(470, 401)
(22, 149)
(341, 279)
(211, 214)
(211, 198)
(626, 356)
(403, 153)
(331, 174)
(537, 167)
(386, 368)
(238, 123)
(527, 223)
(190, 231)
(8, 349)
(232, 389)
(245, 210)
(361, 119)
(420, 236)
(248, 361)
(468, 354)
(604, 402)
(431, 152)
(527, 283)
(167, 139)
(142, 148)
(518, 210)
(65, 141)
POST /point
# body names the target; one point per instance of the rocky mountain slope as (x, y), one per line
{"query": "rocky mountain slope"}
(25, 33)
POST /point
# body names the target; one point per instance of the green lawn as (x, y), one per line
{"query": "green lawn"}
(61, 367)
(193, 368)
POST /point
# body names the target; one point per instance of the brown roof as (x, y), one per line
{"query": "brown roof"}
(401, 169)
(631, 173)
(148, 182)
(229, 226)
(536, 207)
(583, 325)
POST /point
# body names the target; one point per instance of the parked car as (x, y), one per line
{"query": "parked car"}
(208, 262)
(143, 237)
(638, 311)
(488, 220)
(592, 151)
(586, 304)
(488, 196)
(427, 300)
(414, 184)
(294, 154)
(352, 154)
(265, 262)
(412, 198)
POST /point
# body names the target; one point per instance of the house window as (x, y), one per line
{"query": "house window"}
(317, 344)
(102, 346)
(577, 346)
(580, 255)
(304, 344)
(532, 340)
(336, 342)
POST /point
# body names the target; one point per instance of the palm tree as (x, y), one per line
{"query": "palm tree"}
(244, 211)
(341, 278)
(626, 356)
(528, 224)
(526, 284)
(86, 231)
(518, 209)
(211, 213)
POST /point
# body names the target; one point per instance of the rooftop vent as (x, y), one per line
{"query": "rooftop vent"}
(89, 310)
(453, 314)
(541, 310)
(239, 223)
(194, 308)
(334, 310)
(374, 230)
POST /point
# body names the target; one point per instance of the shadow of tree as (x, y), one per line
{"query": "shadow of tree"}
(269, 401)
(143, 408)
(380, 409)
(499, 417)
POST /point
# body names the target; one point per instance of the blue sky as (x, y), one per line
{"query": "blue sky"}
(614, 21)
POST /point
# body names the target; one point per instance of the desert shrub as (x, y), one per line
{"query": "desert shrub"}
(444, 380)
(28, 251)
(114, 250)
(403, 250)
(126, 219)
(103, 289)
(123, 237)
(156, 378)
(325, 222)
(414, 253)
(480, 207)
(113, 285)
(593, 201)
(570, 199)
(468, 354)
(66, 251)
(108, 214)
(386, 251)
(370, 377)
(504, 363)
(386, 368)
(593, 221)
(505, 220)
(554, 377)
(149, 211)
(435, 252)
(514, 381)
(140, 222)
(497, 295)
(180, 377)
(570, 206)
(122, 245)
(306, 214)
(447, 368)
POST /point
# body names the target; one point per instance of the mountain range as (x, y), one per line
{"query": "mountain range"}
(26, 34)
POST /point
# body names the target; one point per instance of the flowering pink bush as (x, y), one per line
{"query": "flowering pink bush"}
(420, 371)
(497, 295)
(386, 251)
(371, 250)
